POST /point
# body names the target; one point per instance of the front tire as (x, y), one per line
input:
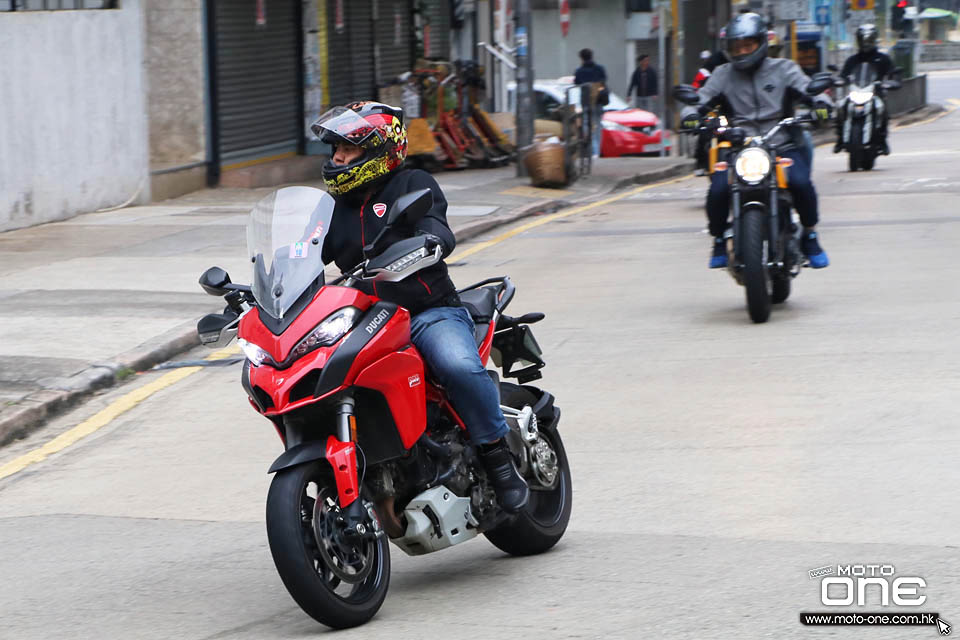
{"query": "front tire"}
(856, 146)
(544, 520)
(338, 585)
(756, 275)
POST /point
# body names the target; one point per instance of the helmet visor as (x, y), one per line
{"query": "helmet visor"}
(345, 125)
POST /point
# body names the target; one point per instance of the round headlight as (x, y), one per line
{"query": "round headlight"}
(753, 165)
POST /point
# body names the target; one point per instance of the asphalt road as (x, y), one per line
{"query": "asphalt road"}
(715, 462)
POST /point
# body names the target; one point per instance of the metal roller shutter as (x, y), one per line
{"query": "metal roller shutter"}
(258, 79)
(438, 12)
(351, 66)
(393, 33)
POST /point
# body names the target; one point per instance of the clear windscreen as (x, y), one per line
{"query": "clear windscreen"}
(863, 76)
(285, 237)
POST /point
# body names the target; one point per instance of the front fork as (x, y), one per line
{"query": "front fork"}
(775, 256)
(342, 456)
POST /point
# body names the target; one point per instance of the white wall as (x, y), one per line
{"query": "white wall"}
(601, 28)
(73, 125)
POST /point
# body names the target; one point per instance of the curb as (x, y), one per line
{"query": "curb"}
(64, 393)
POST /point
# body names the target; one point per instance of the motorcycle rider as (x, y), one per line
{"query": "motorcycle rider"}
(755, 88)
(365, 175)
(880, 66)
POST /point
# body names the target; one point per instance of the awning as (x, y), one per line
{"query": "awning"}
(932, 13)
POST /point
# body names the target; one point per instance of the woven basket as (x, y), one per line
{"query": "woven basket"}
(545, 164)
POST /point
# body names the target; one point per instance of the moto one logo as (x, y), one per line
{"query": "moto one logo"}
(853, 582)
(378, 320)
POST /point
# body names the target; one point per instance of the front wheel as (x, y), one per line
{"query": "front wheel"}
(544, 520)
(856, 146)
(756, 274)
(337, 581)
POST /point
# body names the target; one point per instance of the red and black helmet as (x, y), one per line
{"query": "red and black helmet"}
(376, 128)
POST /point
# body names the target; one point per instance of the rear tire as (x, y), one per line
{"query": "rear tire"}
(544, 520)
(756, 275)
(299, 561)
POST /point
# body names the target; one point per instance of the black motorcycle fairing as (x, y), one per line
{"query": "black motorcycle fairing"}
(279, 325)
(342, 359)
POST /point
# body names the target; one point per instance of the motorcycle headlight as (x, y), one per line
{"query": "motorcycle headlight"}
(861, 97)
(334, 327)
(255, 354)
(753, 165)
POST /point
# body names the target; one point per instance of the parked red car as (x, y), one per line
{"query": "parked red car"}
(626, 131)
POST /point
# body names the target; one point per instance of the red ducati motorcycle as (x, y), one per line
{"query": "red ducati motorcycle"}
(374, 452)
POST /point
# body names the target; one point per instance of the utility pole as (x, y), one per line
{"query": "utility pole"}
(662, 76)
(524, 40)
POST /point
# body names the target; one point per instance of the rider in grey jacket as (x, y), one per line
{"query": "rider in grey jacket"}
(758, 89)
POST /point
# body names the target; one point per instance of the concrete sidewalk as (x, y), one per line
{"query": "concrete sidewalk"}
(88, 301)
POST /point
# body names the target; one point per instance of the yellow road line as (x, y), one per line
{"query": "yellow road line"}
(106, 416)
(460, 256)
(942, 114)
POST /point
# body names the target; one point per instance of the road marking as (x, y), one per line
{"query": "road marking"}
(104, 417)
(942, 114)
(460, 256)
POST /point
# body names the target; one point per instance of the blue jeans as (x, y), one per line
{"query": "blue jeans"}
(444, 337)
(801, 188)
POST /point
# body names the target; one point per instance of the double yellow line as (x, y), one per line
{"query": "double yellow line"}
(130, 400)
(104, 417)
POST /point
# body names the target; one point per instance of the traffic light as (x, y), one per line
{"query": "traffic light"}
(897, 12)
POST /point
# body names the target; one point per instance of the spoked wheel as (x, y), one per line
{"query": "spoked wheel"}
(544, 520)
(337, 580)
(756, 274)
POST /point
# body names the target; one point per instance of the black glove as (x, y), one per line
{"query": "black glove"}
(431, 241)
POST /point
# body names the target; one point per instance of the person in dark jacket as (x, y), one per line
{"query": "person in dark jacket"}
(591, 72)
(365, 175)
(644, 80)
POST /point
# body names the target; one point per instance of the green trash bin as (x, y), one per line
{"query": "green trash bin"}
(904, 54)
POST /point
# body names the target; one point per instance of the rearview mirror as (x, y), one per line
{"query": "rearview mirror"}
(214, 281)
(411, 207)
(686, 93)
(819, 83)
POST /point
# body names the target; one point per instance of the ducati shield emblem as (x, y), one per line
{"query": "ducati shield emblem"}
(414, 380)
(379, 209)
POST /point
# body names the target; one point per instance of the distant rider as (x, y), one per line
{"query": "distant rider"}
(868, 65)
(755, 88)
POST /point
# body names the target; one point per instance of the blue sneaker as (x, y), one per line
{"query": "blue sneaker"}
(814, 252)
(719, 258)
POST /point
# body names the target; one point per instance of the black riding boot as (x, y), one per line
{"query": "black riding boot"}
(512, 490)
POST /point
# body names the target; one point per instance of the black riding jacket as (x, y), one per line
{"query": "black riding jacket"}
(880, 63)
(358, 218)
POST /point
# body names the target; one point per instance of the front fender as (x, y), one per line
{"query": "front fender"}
(300, 454)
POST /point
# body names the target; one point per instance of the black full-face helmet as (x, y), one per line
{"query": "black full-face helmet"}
(867, 37)
(747, 26)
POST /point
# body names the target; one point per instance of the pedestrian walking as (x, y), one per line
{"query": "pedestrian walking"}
(644, 81)
(592, 101)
